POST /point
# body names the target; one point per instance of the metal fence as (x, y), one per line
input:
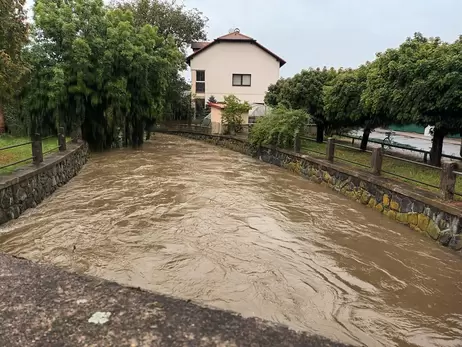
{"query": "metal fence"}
(447, 173)
(425, 154)
(36, 146)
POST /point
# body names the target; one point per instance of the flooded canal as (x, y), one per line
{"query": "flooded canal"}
(199, 222)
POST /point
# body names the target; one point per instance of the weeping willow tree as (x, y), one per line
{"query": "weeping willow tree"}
(94, 69)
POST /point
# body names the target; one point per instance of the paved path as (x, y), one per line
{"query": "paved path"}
(451, 146)
(45, 306)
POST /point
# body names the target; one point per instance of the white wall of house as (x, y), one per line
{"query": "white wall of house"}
(224, 59)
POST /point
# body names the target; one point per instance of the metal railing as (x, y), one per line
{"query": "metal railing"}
(37, 152)
(426, 153)
(447, 173)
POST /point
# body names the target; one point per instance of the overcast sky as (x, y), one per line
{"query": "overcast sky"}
(338, 33)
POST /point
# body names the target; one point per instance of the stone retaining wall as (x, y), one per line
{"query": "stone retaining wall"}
(419, 209)
(28, 186)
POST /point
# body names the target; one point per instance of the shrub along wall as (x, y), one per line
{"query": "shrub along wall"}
(417, 208)
(28, 186)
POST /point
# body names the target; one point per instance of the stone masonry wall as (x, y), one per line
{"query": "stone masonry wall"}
(27, 187)
(418, 209)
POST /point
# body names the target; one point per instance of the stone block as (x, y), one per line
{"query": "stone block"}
(422, 221)
(394, 205)
(456, 242)
(386, 200)
(379, 207)
(391, 214)
(432, 230)
(402, 218)
(445, 237)
(365, 197)
(372, 203)
(413, 218)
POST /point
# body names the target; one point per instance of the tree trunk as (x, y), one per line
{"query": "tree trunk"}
(127, 132)
(319, 133)
(2, 120)
(460, 151)
(365, 139)
(437, 147)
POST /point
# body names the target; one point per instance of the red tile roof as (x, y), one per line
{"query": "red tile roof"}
(234, 36)
(199, 45)
(216, 105)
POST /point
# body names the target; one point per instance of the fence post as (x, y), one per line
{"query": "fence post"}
(330, 149)
(37, 151)
(376, 160)
(448, 180)
(297, 142)
(61, 140)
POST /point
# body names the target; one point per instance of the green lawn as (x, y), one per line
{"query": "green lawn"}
(11, 155)
(358, 159)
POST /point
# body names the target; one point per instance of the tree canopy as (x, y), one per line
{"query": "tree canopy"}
(171, 19)
(420, 82)
(98, 69)
(13, 36)
(304, 91)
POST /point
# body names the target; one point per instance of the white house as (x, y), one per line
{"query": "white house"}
(232, 64)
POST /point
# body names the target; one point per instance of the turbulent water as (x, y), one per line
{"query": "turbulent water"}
(203, 223)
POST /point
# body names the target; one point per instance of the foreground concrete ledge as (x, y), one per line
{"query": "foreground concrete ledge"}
(42, 305)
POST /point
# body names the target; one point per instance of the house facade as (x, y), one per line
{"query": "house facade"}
(232, 64)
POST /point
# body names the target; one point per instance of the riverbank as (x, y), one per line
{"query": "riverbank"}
(45, 306)
(417, 208)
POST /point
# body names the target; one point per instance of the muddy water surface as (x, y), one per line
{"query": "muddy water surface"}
(199, 222)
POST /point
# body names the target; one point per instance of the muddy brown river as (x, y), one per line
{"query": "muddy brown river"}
(199, 222)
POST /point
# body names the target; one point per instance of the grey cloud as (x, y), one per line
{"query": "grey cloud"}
(331, 32)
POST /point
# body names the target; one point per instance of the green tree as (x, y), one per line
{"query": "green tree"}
(184, 26)
(279, 127)
(95, 69)
(171, 19)
(304, 91)
(13, 36)
(273, 96)
(232, 113)
(420, 82)
(344, 106)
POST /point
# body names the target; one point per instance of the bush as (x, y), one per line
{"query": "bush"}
(279, 127)
(232, 113)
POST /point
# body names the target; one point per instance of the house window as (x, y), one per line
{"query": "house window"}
(200, 81)
(242, 80)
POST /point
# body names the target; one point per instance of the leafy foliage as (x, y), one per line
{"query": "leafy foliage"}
(419, 82)
(279, 127)
(304, 91)
(171, 19)
(13, 36)
(95, 68)
(273, 96)
(232, 113)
